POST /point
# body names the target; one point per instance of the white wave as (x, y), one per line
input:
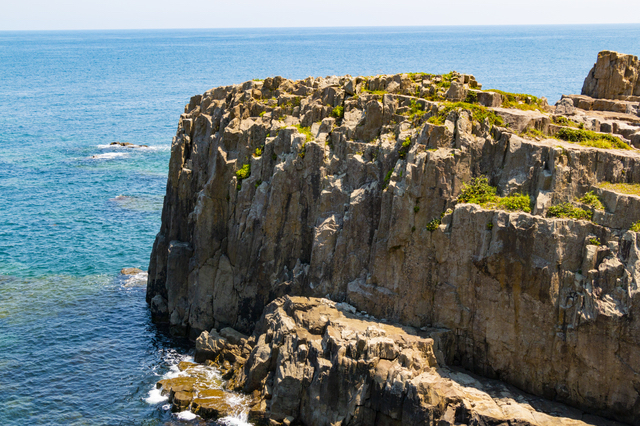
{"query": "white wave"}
(241, 420)
(156, 397)
(137, 280)
(186, 415)
(137, 147)
(109, 155)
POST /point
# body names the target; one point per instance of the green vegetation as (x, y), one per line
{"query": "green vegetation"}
(387, 178)
(243, 173)
(564, 121)
(258, 183)
(338, 112)
(591, 199)
(517, 202)
(416, 208)
(521, 101)
(274, 157)
(624, 188)
(533, 133)
(589, 138)
(305, 131)
(258, 152)
(416, 110)
(568, 210)
(489, 226)
(472, 97)
(594, 241)
(433, 225)
(262, 113)
(478, 191)
(402, 152)
(479, 114)
(635, 227)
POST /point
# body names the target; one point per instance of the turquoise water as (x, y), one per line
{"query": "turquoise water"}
(76, 342)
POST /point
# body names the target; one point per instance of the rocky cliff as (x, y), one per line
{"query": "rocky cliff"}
(422, 200)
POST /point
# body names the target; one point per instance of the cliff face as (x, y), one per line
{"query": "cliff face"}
(347, 188)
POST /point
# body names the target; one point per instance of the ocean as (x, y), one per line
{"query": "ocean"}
(76, 342)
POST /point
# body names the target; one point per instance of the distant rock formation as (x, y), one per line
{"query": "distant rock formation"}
(478, 218)
(614, 76)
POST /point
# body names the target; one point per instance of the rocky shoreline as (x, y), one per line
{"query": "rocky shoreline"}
(478, 229)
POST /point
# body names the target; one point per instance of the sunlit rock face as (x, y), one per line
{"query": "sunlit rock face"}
(347, 188)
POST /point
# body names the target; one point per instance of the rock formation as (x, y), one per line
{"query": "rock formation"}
(353, 189)
(614, 76)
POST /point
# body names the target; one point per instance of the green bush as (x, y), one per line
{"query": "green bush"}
(244, 172)
(478, 191)
(591, 199)
(518, 202)
(568, 210)
(594, 241)
(258, 152)
(635, 227)
(338, 112)
(433, 225)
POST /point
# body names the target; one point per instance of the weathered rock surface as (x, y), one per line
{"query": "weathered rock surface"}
(321, 363)
(614, 76)
(328, 188)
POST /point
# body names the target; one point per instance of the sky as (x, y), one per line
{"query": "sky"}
(159, 14)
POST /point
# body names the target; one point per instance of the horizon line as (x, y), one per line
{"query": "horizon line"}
(322, 27)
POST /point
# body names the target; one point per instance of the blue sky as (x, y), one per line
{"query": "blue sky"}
(144, 14)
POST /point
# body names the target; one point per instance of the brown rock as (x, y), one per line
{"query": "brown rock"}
(614, 76)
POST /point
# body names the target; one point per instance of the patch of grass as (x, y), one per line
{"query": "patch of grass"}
(623, 188)
(489, 226)
(569, 211)
(478, 191)
(635, 227)
(564, 121)
(258, 183)
(594, 242)
(433, 224)
(591, 199)
(589, 138)
(521, 101)
(305, 131)
(258, 79)
(478, 113)
(338, 112)
(262, 113)
(416, 110)
(416, 209)
(533, 133)
(258, 152)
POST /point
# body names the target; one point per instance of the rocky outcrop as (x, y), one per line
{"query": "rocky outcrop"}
(614, 76)
(347, 188)
(317, 362)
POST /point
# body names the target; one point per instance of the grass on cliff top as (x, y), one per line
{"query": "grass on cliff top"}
(623, 188)
(635, 227)
(521, 101)
(478, 113)
(305, 131)
(590, 138)
(478, 191)
(569, 211)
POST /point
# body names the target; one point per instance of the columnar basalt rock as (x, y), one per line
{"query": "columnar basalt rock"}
(346, 188)
(614, 76)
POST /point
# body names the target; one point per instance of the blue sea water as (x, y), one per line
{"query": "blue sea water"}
(76, 342)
